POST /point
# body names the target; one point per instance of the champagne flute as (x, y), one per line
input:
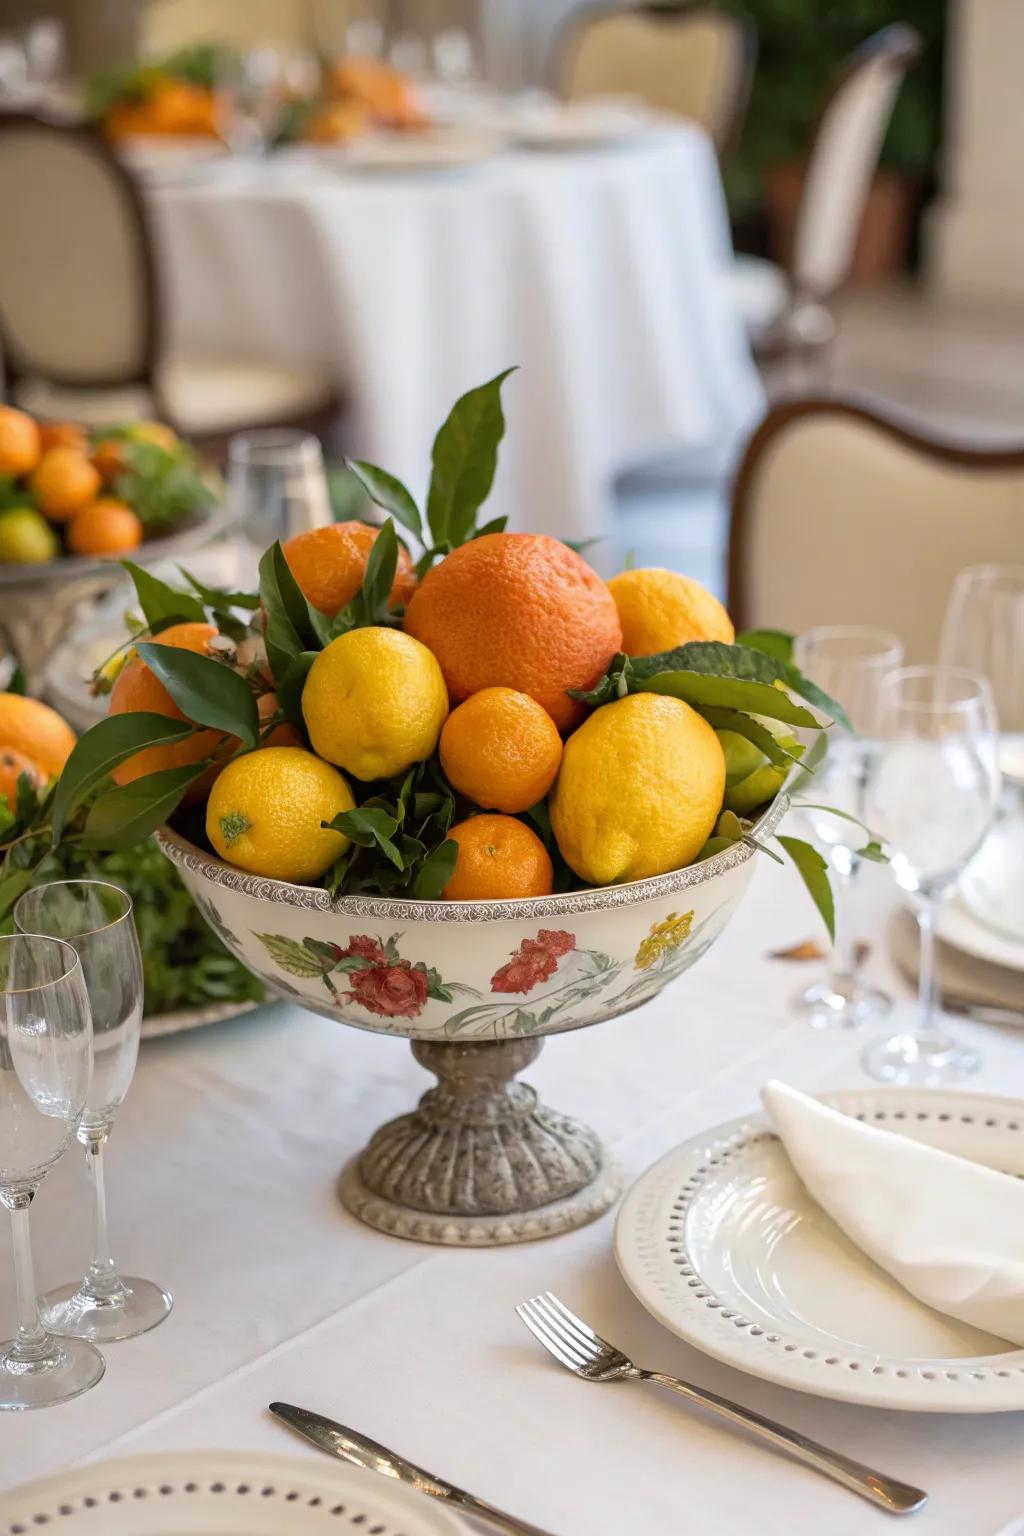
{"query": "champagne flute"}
(984, 630)
(849, 663)
(932, 793)
(45, 1059)
(96, 919)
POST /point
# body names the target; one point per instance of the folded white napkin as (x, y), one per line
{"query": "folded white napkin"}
(949, 1230)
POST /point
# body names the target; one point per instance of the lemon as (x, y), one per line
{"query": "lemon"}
(374, 702)
(661, 609)
(741, 756)
(761, 785)
(639, 789)
(265, 810)
(26, 538)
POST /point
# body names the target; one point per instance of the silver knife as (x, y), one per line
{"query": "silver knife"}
(360, 1451)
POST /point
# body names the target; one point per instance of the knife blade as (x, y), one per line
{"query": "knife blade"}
(360, 1451)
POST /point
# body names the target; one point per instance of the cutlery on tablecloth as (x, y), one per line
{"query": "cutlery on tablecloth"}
(586, 1354)
(982, 1013)
(360, 1451)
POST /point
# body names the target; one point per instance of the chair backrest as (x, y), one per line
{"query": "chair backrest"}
(695, 63)
(77, 282)
(843, 157)
(165, 25)
(842, 515)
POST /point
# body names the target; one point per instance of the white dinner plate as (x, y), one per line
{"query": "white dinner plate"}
(222, 1493)
(721, 1243)
(594, 124)
(957, 926)
(433, 149)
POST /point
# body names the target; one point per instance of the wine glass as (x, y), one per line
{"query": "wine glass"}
(932, 792)
(45, 1059)
(276, 488)
(849, 663)
(984, 630)
(96, 919)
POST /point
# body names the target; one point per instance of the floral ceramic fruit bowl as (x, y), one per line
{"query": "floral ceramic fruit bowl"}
(474, 985)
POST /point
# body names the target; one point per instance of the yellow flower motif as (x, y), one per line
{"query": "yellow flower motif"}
(663, 938)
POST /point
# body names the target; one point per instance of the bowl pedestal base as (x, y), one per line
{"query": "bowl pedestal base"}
(480, 1162)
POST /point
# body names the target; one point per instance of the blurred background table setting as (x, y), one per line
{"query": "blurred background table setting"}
(528, 900)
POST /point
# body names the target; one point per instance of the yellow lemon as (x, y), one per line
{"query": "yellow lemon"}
(265, 810)
(662, 609)
(374, 702)
(639, 789)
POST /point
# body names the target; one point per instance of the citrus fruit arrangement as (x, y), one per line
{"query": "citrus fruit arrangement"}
(180, 95)
(355, 97)
(65, 490)
(487, 721)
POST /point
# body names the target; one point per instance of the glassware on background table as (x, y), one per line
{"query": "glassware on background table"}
(96, 919)
(984, 630)
(45, 1056)
(932, 792)
(276, 488)
(45, 54)
(849, 663)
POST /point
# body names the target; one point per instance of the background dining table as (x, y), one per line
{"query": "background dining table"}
(603, 273)
(222, 1186)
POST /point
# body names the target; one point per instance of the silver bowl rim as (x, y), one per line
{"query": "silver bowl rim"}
(185, 855)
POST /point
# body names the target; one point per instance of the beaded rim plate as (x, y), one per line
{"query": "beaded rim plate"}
(219, 1493)
(722, 1245)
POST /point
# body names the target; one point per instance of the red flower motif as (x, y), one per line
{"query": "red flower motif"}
(392, 991)
(534, 961)
(363, 947)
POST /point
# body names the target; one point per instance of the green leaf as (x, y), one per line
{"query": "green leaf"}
(159, 601)
(101, 749)
(716, 659)
(813, 872)
(291, 683)
(703, 690)
(579, 545)
(388, 493)
(11, 888)
(874, 852)
(369, 828)
(219, 597)
(744, 725)
(435, 871)
(496, 525)
(464, 458)
(773, 642)
(290, 626)
(290, 955)
(379, 575)
(206, 691)
(126, 816)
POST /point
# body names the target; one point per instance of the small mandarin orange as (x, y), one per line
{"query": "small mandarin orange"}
(501, 750)
(104, 527)
(499, 859)
(62, 482)
(63, 434)
(19, 442)
(328, 564)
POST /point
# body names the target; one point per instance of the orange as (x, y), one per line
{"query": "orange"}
(12, 766)
(501, 750)
(108, 459)
(36, 731)
(137, 688)
(517, 610)
(63, 481)
(63, 434)
(328, 564)
(661, 609)
(283, 735)
(500, 859)
(19, 442)
(104, 527)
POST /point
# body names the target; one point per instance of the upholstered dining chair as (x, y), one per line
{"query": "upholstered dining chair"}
(844, 514)
(696, 62)
(80, 312)
(786, 308)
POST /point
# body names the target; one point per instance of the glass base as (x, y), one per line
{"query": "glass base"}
(133, 1308)
(842, 1003)
(931, 1060)
(68, 1369)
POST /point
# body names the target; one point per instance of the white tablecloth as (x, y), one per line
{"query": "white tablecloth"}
(222, 1174)
(602, 274)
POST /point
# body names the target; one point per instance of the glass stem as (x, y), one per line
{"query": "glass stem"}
(843, 964)
(926, 968)
(101, 1279)
(32, 1344)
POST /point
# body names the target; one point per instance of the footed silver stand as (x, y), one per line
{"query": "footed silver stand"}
(480, 1162)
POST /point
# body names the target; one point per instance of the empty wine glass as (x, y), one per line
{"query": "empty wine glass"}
(984, 630)
(276, 488)
(96, 918)
(45, 1058)
(849, 663)
(932, 792)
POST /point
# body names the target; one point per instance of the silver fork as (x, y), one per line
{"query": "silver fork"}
(586, 1354)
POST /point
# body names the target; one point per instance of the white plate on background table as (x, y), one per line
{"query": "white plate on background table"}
(957, 926)
(214, 1493)
(159, 1024)
(720, 1242)
(432, 149)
